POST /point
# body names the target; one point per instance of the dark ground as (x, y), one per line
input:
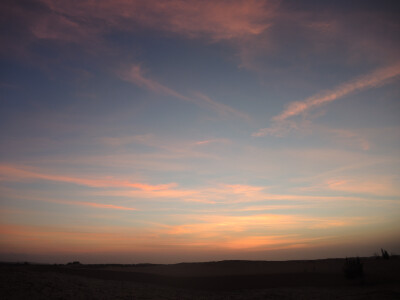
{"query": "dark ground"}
(319, 279)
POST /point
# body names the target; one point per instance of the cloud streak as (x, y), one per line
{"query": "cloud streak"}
(101, 205)
(374, 79)
(222, 20)
(249, 232)
(10, 172)
(135, 75)
(220, 108)
(206, 232)
(216, 194)
(282, 123)
(31, 196)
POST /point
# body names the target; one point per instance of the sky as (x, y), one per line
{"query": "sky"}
(169, 131)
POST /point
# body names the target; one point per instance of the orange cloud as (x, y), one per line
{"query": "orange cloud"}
(244, 189)
(99, 205)
(266, 231)
(220, 193)
(273, 207)
(228, 194)
(225, 225)
(45, 239)
(269, 242)
(376, 186)
(9, 172)
(18, 195)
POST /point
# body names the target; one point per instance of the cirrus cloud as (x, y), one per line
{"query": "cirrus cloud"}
(283, 122)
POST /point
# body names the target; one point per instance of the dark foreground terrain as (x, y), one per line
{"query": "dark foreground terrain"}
(319, 279)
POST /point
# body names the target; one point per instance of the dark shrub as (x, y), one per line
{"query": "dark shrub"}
(385, 254)
(353, 268)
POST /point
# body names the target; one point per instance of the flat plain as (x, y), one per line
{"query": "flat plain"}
(312, 279)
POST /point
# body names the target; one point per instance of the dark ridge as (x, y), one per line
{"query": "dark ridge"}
(230, 274)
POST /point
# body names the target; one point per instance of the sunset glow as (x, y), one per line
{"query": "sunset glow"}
(169, 130)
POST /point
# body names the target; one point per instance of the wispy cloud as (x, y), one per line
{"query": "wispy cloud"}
(211, 141)
(101, 205)
(86, 203)
(370, 186)
(227, 194)
(282, 123)
(374, 79)
(240, 232)
(135, 75)
(117, 187)
(10, 173)
(166, 149)
(14, 194)
(222, 109)
(120, 239)
(348, 137)
(66, 239)
(222, 20)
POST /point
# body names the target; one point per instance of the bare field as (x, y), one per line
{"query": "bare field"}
(319, 279)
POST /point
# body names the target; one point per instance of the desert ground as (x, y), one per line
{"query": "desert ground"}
(313, 279)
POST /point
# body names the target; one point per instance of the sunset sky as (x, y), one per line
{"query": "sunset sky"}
(168, 130)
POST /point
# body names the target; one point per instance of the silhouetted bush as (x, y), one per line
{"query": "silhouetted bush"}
(75, 263)
(353, 268)
(385, 254)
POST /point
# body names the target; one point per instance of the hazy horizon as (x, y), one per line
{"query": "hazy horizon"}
(176, 258)
(170, 131)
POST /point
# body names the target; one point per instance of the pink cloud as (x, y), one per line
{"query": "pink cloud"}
(31, 196)
(219, 193)
(244, 189)
(223, 193)
(169, 151)
(281, 124)
(59, 27)
(374, 79)
(222, 20)
(221, 108)
(10, 172)
(370, 186)
(350, 137)
(135, 75)
(211, 141)
(100, 205)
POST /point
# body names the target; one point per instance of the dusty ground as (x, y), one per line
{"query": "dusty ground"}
(223, 280)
